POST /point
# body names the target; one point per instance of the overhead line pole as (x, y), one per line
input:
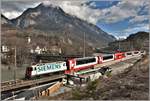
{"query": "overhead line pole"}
(84, 46)
(119, 43)
(15, 65)
(15, 56)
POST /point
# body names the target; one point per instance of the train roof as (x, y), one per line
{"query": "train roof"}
(107, 54)
(84, 58)
(102, 54)
(49, 62)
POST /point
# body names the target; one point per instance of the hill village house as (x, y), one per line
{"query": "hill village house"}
(33, 50)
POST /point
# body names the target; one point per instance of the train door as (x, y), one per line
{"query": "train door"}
(70, 66)
(99, 59)
(119, 56)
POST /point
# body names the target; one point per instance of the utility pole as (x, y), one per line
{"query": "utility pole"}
(13, 95)
(131, 45)
(15, 65)
(84, 45)
(119, 43)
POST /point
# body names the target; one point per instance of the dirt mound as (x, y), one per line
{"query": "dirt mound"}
(133, 84)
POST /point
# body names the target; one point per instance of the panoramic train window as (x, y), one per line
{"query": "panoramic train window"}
(85, 61)
(136, 52)
(90, 60)
(129, 53)
(107, 57)
(79, 62)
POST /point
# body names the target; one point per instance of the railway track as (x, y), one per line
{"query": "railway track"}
(19, 84)
(10, 82)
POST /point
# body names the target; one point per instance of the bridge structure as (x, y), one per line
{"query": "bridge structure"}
(22, 84)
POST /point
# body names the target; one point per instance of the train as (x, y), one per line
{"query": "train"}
(76, 64)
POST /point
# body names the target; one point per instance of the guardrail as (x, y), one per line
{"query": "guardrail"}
(10, 82)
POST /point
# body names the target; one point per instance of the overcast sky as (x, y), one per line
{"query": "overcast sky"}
(119, 18)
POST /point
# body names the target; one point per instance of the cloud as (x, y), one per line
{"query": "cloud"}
(115, 14)
(130, 30)
(92, 4)
(136, 28)
(138, 19)
(12, 14)
(136, 11)
(12, 9)
(122, 10)
(77, 8)
(119, 12)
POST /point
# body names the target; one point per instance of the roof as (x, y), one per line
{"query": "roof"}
(84, 58)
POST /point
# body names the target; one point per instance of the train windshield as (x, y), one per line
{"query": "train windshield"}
(29, 69)
(85, 61)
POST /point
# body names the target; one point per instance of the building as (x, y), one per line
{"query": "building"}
(55, 50)
(38, 50)
(4, 49)
(29, 40)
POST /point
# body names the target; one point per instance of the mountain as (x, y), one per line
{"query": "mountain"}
(54, 19)
(4, 20)
(137, 41)
(61, 28)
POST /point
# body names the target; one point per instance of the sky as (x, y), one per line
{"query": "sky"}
(119, 18)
